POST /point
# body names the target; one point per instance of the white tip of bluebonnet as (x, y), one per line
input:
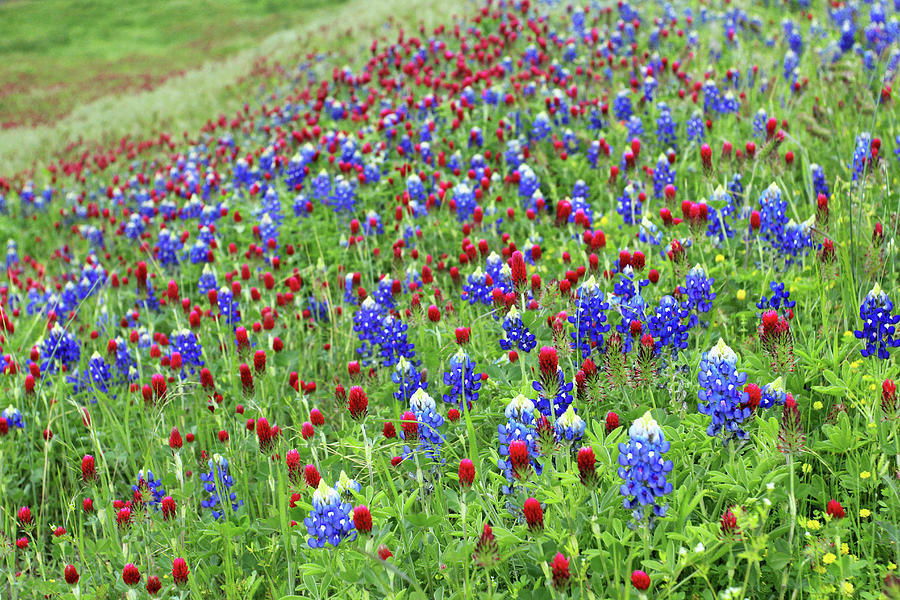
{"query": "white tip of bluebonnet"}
(722, 352)
(645, 428)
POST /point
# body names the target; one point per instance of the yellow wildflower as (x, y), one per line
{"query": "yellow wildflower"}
(845, 549)
(813, 525)
(720, 258)
(865, 475)
(817, 405)
(829, 558)
(848, 588)
(742, 294)
(864, 513)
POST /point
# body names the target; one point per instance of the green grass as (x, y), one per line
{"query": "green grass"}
(59, 54)
(97, 118)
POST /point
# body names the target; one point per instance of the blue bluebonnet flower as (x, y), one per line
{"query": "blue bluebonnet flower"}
(152, 485)
(541, 127)
(95, 378)
(643, 469)
(569, 427)
(429, 422)
(862, 155)
(773, 394)
(207, 281)
(663, 175)
(393, 342)
(13, 417)
(589, 319)
(346, 487)
(479, 289)
(465, 202)
(462, 380)
(635, 126)
(125, 364)
(59, 348)
(186, 343)
(879, 324)
(670, 324)
(554, 392)
(168, 247)
(367, 325)
(408, 380)
(330, 520)
(698, 290)
(759, 123)
(780, 298)
(322, 186)
(146, 297)
(721, 393)
(696, 129)
(344, 197)
(622, 106)
(228, 307)
(820, 186)
(218, 483)
(629, 206)
(519, 426)
(516, 333)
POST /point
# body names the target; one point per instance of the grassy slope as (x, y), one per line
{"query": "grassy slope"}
(184, 103)
(58, 54)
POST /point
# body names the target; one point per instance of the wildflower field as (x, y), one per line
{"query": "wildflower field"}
(539, 300)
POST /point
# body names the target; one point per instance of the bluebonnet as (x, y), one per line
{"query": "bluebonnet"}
(462, 380)
(330, 520)
(218, 482)
(540, 129)
(152, 485)
(207, 281)
(479, 288)
(663, 175)
(554, 397)
(465, 202)
(861, 155)
(643, 469)
(650, 86)
(13, 417)
(629, 207)
(622, 106)
(879, 324)
(670, 324)
(696, 129)
(429, 422)
(780, 298)
(820, 186)
(635, 126)
(344, 196)
(759, 123)
(168, 248)
(59, 348)
(96, 377)
(393, 342)
(569, 428)
(773, 394)
(228, 307)
(367, 325)
(516, 333)
(721, 396)
(186, 343)
(698, 289)
(589, 319)
(720, 211)
(519, 426)
(408, 380)
(346, 487)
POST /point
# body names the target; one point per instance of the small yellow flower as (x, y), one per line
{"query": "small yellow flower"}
(817, 405)
(806, 468)
(813, 525)
(892, 566)
(605, 221)
(872, 387)
(865, 475)
(848, 588)
(829, 558)
(819, 569)
(848, 334)
(742, 294)
(864, 513)
(845, 549)
(720, 258)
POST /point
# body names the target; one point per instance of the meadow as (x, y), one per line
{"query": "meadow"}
(414, 300)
